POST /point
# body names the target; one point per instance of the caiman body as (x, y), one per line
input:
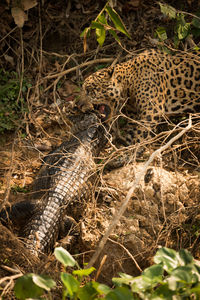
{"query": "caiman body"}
(63, 177)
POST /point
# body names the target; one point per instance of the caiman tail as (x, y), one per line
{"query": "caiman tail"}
(65, 172)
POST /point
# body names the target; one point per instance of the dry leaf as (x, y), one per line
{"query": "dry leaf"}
(27, 4)
(19, 16)
(133, 4)
(69, 87)
(9, 59)
(58, 67)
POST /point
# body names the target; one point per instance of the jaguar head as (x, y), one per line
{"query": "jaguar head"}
(102, 92)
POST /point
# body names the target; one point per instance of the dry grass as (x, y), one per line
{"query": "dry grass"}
(56, 78)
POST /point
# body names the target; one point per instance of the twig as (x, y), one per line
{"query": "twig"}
(22, 66)
(100, 267)
(10, 280)
(131, 191)
(128, 252)
(11, 270)
(1, 40)
(87, 63)
(10, 277)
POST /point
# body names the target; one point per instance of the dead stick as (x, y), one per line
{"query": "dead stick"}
(85, 64)
(131, 191)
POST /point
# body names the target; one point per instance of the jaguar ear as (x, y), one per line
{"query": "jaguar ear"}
(110, 71)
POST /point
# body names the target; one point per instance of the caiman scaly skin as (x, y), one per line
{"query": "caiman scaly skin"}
(64, 175)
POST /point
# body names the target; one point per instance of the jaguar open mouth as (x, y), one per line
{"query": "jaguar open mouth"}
(104, 111)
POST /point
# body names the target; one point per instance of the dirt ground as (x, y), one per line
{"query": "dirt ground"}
(164, 210)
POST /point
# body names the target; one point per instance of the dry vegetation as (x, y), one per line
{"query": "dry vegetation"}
(164, 208)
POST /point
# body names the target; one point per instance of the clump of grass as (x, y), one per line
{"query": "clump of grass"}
(12, 102)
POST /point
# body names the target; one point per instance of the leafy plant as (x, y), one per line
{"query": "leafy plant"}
(12, 106)
(72, 283)
(182, 28)
(18, 189)
(32, 286)
(101, 26)
(175, 275)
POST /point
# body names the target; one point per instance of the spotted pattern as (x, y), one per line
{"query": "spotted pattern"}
(157, 85)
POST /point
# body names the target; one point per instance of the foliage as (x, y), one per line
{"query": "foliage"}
(12, 106)
(101, 26)
(18, 189)
(32, 286)
(182, 28)
(175, 275)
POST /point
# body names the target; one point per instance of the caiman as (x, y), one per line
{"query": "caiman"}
(63, 177)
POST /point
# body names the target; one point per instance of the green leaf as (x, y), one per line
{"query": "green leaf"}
(121, 281)
(196, 290)
(85, 32)
(102, 289)
(161, 33)
(197, 269)
(176, 41)
(124, 275)
(99, 67)
(154, 273)
(120, 293)
(183, 28)
(84, 272)
(183, 274)
(196, 33)
(183, 31)
(116, 20)
(64, 257)
(162, 293)
(140, 284)
(71, 283)
(168, 10)
(169, 258)
(196, 21)
(102, 19)
(186, 257)
(124, 279)
(25, 288)
(87, 292)
(172, 283)
(43, 281)
(95, 25)
(115, 35)
(101, 35)
(181, 277)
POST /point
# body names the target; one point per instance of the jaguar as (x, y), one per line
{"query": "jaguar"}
(156, 85)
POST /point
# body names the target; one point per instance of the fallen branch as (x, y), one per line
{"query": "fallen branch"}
(131, 191)
(85, 64)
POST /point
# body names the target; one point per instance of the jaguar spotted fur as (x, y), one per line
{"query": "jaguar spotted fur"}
(156, 85)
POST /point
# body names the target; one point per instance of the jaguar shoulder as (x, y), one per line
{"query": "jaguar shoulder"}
(157, 85)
